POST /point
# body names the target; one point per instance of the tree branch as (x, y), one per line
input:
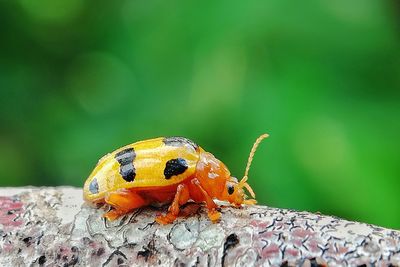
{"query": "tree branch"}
(52, 226)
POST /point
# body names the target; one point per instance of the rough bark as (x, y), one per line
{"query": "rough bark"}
(53, 227)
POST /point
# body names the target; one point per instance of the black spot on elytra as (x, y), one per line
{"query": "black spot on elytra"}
(94, 186)
(125, 159)
(231, 241)
(175, 167)
(179, 141)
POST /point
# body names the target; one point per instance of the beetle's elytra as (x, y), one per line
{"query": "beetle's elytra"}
(165, 170)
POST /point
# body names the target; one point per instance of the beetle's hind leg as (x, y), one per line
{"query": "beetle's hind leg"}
(123, 201)
(181, 197)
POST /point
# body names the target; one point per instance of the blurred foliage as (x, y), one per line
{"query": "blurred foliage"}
(79, 79)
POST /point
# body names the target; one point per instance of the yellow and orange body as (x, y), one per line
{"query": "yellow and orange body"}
(164, 170)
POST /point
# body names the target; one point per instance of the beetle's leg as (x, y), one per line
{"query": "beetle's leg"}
(213, 213)
(123, 201)
(181, 197)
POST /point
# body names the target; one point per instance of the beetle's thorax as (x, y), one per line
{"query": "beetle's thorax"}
(212, 174)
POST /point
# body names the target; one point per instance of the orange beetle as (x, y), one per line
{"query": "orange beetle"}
(165, 170)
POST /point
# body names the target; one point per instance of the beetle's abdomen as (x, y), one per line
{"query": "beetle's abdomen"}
(156, 162)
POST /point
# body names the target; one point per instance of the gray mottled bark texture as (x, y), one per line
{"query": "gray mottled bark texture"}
(53, 227)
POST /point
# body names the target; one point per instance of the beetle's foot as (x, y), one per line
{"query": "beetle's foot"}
(166, 219)
(113, 215)
(214, 215)
(250, 201)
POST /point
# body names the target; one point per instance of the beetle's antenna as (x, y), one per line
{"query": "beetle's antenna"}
(243, 182)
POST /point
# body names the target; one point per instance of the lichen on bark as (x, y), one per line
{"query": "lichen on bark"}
(53, 227)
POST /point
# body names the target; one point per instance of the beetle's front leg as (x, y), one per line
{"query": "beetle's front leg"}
(181, 197)
(213, 213)
(123, 201)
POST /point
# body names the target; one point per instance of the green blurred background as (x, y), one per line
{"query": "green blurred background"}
(81, 78)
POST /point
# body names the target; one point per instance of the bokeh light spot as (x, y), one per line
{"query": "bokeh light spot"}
(52, 11)
(321, 146)
(100, 82)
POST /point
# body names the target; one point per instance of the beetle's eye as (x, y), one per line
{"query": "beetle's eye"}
(230, 189)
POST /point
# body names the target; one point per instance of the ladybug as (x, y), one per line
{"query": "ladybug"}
(165, 170)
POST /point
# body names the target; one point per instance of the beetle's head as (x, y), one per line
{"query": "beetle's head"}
(234, 191)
